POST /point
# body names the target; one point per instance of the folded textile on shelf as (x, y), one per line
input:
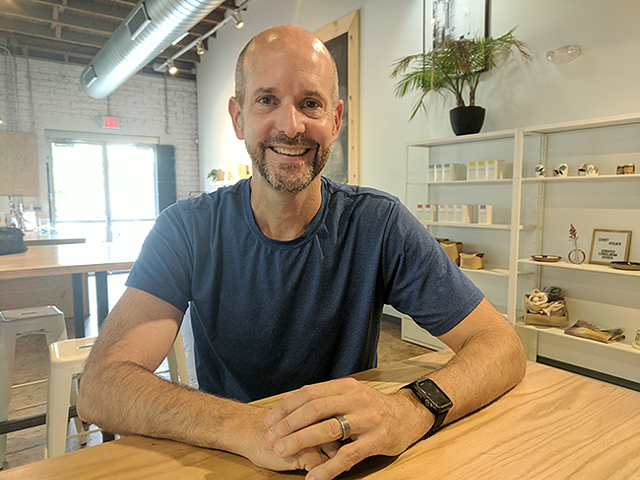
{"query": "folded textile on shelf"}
(554, 309)
(592, 331)
(537, 301)
(553, 293)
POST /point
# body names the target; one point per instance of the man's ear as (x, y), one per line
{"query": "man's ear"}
(337, 119)
(236, 117)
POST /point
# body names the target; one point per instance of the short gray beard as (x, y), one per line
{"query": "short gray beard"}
(279, 179)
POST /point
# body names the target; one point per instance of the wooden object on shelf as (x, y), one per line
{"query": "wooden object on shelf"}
(19, 163)
(472, 261)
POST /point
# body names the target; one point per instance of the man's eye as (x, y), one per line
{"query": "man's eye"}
(311, 104)
(265, 101)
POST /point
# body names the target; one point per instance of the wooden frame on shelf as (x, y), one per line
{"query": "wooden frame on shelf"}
(609, 246)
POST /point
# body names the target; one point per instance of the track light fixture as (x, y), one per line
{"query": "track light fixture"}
(172, 68)
(200, 47)
(238, 19)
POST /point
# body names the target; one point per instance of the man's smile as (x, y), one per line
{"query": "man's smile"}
(291, 152)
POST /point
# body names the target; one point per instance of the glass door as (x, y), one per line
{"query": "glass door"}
(103, 192)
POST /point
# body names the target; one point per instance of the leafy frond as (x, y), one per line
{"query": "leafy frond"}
(451, 65)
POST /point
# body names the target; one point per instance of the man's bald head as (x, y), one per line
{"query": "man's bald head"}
(282, 37)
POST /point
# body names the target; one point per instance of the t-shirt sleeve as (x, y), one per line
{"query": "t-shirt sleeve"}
(164, 266)
(420, 279)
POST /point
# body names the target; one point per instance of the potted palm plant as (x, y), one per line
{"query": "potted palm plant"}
(450, 66)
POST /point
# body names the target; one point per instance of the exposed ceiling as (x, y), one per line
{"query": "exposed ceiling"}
(73, 31)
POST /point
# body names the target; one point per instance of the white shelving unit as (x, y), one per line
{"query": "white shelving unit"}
(532, 216)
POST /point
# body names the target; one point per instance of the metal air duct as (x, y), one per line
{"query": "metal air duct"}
(150, 28)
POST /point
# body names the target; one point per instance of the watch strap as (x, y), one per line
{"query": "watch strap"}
(439, 415)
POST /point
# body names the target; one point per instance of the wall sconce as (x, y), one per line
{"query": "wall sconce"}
(238, 19)
(563, 54)
(200, 47)
(172, 68)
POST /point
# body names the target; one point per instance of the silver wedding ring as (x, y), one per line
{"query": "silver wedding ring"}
(346, 428)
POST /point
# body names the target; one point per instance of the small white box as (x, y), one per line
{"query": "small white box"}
(473, 213)
(420, 212)
(431, 213)
(492, 170)
(481, 173)
(501, 168)
(472, 171)
(457, 213)
(484, 214)
(442, 213)
(446, 172)
(431, 175)
(438, 173)
(458, 171)
(451, 217)
(466, 213)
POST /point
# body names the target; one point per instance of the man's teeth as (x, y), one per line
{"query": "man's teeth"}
(289, 151)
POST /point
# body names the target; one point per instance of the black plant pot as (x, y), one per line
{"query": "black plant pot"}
(466, 120)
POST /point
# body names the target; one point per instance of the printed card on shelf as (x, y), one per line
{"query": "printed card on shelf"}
(438, 173)
(420, 212)
(431, 176)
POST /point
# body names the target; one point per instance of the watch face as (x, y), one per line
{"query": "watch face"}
(433, 393)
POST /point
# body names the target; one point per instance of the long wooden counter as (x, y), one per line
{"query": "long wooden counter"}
(553, 425)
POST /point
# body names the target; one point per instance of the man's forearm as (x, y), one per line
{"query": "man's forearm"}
(126, 398)
(488, 364)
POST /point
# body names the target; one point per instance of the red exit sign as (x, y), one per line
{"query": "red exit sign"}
(110, 122)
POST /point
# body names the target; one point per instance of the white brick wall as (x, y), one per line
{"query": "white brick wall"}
(60, 104)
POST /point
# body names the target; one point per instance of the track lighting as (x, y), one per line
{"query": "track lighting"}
(172, 68)
(238, 19)
(200, 47)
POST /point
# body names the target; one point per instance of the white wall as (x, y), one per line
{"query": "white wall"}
(50, 98)
(601, 82)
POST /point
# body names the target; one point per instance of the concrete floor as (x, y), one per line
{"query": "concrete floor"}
(31, 365)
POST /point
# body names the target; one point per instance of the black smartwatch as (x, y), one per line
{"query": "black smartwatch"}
(434, 399)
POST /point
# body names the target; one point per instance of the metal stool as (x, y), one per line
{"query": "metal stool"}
(67, 359)
(46, 320)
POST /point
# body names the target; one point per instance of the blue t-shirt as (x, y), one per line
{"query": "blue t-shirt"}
(271, 316)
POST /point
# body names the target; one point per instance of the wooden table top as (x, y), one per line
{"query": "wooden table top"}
(37, 238)
(43, 260)
(553, 425)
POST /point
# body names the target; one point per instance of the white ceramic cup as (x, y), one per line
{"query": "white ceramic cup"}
(592, 170)
(540, 171)
(561, 170)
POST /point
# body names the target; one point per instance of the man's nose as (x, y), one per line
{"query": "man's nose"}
(290, 121)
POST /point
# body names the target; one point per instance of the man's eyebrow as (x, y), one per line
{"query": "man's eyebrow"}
(264, 90)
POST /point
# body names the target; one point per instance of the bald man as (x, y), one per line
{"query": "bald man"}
(286, 275)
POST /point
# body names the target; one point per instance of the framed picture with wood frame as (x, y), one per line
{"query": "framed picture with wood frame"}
(342, 39)
(609, 246)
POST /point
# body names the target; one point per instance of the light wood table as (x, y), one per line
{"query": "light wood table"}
(32, 239)
(553, 425)
(75, 259)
